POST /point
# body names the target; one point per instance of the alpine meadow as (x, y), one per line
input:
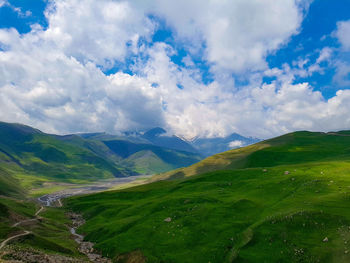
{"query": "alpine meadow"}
(183, 131)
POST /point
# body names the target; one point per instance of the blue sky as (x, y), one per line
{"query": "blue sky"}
(198, 69)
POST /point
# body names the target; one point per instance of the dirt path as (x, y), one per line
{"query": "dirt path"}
(24, 221)
(39, 211)
(3, 243)
(30, 220)
(54, 199)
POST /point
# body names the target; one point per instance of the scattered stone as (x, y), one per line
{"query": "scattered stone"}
(84, 246)
(264, 170)
(346, 251)
(168, 219)
(325, 239)
(293, 179)
(13, 254)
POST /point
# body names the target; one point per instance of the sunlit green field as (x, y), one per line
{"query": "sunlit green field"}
(295, 207)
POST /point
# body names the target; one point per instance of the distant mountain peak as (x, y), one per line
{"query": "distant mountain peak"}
(154, 132)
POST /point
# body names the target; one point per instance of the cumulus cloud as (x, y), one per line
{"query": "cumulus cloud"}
(343, 34)
(54, 78)
(236, 144)
(237, 34)
(98, 31)
(42, 86)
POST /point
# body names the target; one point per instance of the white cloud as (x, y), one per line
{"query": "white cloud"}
(236, 144)
(342, 74)
(18, 10)
(238, 34)
(44, 87)
(100, 31)
(52, 78)
(3, 2)
(343, 34)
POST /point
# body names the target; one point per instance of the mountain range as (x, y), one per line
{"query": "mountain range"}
(285, 199)
(159, 137)
(33, 157)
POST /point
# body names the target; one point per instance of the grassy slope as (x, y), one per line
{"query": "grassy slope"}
(33, 158)
(50, 234)
(170, 158)
(239, 215)
(292, 148)
(146, 162)
(30, 159)
(10, 186)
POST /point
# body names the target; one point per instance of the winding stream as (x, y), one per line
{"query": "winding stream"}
(54, 199)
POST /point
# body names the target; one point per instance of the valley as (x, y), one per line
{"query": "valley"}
(166, 131)
(281, 200)
(53, 202)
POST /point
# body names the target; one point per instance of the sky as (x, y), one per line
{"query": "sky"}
(197, 68)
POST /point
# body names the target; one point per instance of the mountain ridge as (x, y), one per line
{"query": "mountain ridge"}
(34, 157)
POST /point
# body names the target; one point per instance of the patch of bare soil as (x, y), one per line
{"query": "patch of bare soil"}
(132, 257)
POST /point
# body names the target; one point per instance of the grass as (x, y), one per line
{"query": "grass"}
(272, 202)
(293, 148)
(32, 158)
(50, 234)
(244, 215)
(146, 162)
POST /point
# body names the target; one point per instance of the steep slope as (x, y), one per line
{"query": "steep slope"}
(44, 235)
(10, 186)
(282, 200)
(33, 157)
(293, 148)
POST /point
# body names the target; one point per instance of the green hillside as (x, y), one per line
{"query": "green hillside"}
(282, 200)
(48, 235)
(157, 159)
(10, 186)
(30, 158)
(293, 148)
(147, 162)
